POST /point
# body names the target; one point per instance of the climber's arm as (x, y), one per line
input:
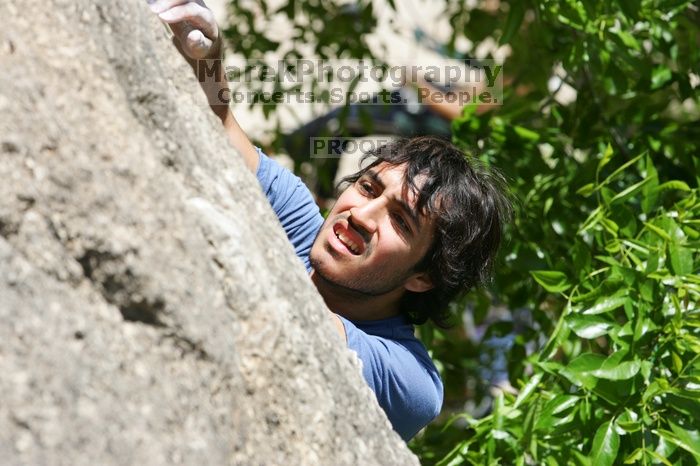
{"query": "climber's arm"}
(198, 39)
(239, 140)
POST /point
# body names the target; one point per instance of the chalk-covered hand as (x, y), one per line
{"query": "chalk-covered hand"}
(193, 24)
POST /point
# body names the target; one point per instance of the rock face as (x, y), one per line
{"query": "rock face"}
(151, 309)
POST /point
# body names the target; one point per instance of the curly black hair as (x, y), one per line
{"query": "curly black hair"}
(471, 204)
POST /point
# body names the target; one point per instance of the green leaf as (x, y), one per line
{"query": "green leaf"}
(622, 371)
(515, 19)
(525, 133)
(661, 458)
(657, 387)
(660, 76)
(455, 454)
(609, 225)
(673, 229)
(592, 220)
(561, 403)
(635, 456)
(528, 389)
(582, 460)
(580, 368)
(660, 232)
(671, 185)
(690, 438)
(586, 362)
(619, 170)
(629, 40)
(681, 259)
(588, 327)
(629, 191)
(649, 194)
(551, 280)
(610, 368)
(605, 445)
(607, 157)
(687, 441)
(628, 422)
(586, 189)
(545, 420)
(606, 305)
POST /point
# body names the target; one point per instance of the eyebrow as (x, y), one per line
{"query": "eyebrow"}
(400, 201)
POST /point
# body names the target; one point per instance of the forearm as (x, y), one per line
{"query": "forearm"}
(215, 86)
(212, 77)
(240, 140)
(218, 93)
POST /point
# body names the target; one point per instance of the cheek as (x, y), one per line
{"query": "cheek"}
(345, 202)
(391, 242)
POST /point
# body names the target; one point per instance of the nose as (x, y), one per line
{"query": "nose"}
(366, 216)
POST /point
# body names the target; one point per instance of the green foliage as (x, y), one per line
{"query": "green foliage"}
(608, 231)
(619, 377)
(602, 260)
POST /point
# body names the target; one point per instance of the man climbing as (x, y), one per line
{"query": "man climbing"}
(413, 229)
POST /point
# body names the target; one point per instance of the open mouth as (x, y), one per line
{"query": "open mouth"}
(349, 239)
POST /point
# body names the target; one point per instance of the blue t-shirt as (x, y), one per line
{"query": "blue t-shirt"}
(395, 364)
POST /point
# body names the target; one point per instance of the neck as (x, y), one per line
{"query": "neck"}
(355, 305)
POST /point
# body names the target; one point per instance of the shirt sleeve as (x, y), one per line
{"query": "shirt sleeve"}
(408, 390)
(293, 203)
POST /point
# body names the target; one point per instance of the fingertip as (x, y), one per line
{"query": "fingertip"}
(198, 41)
(195, 35)
(156, 6)
(168, 16)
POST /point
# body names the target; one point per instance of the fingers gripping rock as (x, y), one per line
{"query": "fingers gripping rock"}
(192, 23)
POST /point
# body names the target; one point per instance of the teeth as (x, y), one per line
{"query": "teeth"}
(352, 246)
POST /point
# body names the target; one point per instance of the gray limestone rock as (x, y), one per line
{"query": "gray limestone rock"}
(151, 308)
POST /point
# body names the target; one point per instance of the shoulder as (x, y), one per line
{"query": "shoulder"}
(293, 204)
(274, 178)
(401, 373)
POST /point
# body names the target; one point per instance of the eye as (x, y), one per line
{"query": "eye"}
(401, 223)
(366, 187)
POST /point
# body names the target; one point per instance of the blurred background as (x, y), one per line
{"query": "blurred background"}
(584, 349)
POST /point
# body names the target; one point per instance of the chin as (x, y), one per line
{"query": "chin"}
(324, 264)
(327, 268)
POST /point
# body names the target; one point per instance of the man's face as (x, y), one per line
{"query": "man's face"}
(374, 237)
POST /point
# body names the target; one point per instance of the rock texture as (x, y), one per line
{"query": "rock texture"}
(151, 309)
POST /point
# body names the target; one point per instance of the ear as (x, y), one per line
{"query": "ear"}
(419, 282)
